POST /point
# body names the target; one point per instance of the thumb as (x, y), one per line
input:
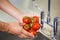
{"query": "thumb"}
(21, 24)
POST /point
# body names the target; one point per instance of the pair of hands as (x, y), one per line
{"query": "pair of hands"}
(17, 29)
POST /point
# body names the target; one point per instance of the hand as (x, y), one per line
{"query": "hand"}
(17, 29)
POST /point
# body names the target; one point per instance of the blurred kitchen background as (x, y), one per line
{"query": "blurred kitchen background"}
(27, 7)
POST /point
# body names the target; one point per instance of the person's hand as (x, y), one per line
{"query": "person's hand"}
(17, 29)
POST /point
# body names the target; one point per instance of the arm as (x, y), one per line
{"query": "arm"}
(7, 7)
(14, 28)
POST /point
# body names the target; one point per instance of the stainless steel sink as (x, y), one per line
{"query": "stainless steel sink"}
(6, 36)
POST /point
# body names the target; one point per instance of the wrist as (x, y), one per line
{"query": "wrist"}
(20, 18)
(3, 27)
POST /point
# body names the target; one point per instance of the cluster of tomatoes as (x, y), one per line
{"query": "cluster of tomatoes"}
(31, 24)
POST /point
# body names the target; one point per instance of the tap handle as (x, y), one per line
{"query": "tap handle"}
(42, 18)
(55, 26)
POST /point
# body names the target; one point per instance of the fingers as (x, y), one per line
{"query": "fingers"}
(27, 34)
(22, 36)
(19, 23)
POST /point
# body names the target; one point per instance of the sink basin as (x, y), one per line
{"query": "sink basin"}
(6, 36)
(41, 37)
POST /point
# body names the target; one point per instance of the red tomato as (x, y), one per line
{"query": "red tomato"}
(26, 20)
(33, 32)
(26, 27)
(36, 26)
(35, 19)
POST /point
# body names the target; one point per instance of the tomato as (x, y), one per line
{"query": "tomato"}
(26, 20)
(36, 26)
(33, 32)
(35, 19)
(26, 27)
